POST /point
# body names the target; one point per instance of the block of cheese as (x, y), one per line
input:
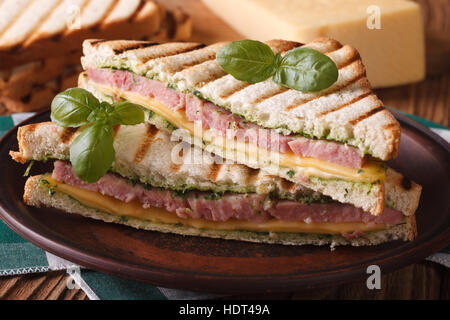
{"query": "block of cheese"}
(388, 34)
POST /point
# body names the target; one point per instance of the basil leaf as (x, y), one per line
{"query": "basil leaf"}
(101, 113)
(72, 107)
(247, 60)
(92, 152)
(127, 113)
(306, 69)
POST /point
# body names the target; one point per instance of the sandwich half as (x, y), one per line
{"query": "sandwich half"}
(333, 141)
(155, 183)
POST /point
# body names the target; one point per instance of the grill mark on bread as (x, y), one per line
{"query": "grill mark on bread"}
(15, 49)
(31, 127)
(17, 17)
(134, 47)
(146, 142)
(82, 9)
(367, 115)
(138, 9)
(332, 44)
(44, 19)
(287, 185)
(214, 170)
(67, 134)
(175, 167)
(96, 26)
(203, 83)
(389, 126)
(240, 86)
(212, 77)
(282, 45)
(336, 89)
(266, 96)
(354, 100)
(57, 37)
(187, 66)
(406, 183)
(170, 24)
(251, 175)
(353, 58)
(175, 52)
(94, 43)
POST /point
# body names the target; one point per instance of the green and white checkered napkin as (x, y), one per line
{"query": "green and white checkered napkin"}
(17, 256)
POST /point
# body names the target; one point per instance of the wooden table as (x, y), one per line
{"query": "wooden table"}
(429, 99)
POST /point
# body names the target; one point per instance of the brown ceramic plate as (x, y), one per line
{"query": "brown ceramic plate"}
(216, 265)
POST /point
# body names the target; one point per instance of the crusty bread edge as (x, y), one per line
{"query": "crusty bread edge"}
(36, 194)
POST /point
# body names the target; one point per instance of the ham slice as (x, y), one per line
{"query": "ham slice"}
(214, 207)
(213, 117)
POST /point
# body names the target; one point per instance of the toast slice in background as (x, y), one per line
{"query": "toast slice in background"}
(32, 85)
(33, 30)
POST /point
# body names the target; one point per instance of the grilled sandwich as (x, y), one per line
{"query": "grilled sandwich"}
(333, 141)
(31, 30)
(145, 188)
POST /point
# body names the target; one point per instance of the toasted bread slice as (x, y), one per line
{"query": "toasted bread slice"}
(32, 30)
(348, 111)
(37, 194)
(150, 161)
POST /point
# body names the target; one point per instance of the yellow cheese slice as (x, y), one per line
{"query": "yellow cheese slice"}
(388, 34)
(134, 209)
(372, 171)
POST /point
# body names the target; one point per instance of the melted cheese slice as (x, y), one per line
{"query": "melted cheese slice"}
(372, 171)
(134, 209)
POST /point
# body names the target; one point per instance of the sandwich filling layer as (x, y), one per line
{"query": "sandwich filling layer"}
(249, 209)
(208, 121)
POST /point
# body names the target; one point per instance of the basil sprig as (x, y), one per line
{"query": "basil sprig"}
(302, 69)
(92, 151)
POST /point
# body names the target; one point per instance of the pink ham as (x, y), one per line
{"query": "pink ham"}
(325, 150)
(247, 207)
(213, 117)
(330, 212)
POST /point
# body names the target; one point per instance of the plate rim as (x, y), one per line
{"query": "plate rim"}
(224, 284)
